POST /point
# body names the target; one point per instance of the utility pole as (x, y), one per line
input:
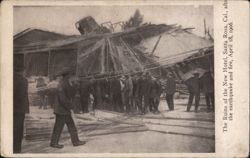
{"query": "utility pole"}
(205, 28)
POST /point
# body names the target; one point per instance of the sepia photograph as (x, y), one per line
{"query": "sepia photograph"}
(113, 79)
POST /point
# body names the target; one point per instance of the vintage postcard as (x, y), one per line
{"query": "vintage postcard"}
(125, 78)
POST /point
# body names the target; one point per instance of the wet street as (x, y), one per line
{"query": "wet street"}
(111, 132)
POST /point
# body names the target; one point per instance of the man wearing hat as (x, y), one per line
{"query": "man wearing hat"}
(123, 96)
(84, 94)
(193, 85)
(139, 93)
(115, 89)
(62, 111)
(20, 106)
(128, 89)
(145, 91)
(207, 87)
(170, 90)
(154, 95)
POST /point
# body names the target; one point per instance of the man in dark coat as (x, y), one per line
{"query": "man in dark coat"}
(151, 94)
(193, 85)
(92, 92)
(154, 95)
(145, 90)
(62, 111)
(20, 107)
(51, 92)
(76, 98)
(123, 95)
(128, 93)
(207, 87)
(136, 93)
(139, 94)
(84, 95)
(95, 89)
(116, 95)
(170, 90)
(103, 92)
(107, 94)
(158, 94)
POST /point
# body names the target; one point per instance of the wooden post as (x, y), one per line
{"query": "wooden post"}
(103, 58)
(107, 57)
(24, 64)
(205, 28)
(49, 64)
(156, 44)
(77, 71)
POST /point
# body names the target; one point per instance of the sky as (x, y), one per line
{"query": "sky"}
(62, 19)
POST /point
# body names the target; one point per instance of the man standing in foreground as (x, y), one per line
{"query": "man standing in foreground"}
(62, 111)
(193, 85)
(207, 87)
(20, 107)
(145, 89)
(170, 90)
(129, 93)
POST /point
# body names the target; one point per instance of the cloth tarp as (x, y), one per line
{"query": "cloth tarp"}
(108, 55)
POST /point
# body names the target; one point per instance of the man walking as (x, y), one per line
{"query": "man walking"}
(63, 114)
(20, 107)
(193, 85)
(158, 92)
(170, 90)
(139, 94)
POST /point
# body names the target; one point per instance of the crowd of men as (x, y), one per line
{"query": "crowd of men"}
(138, 93)
(129, 94)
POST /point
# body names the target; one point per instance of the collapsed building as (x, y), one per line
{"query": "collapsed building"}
(100, 51)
